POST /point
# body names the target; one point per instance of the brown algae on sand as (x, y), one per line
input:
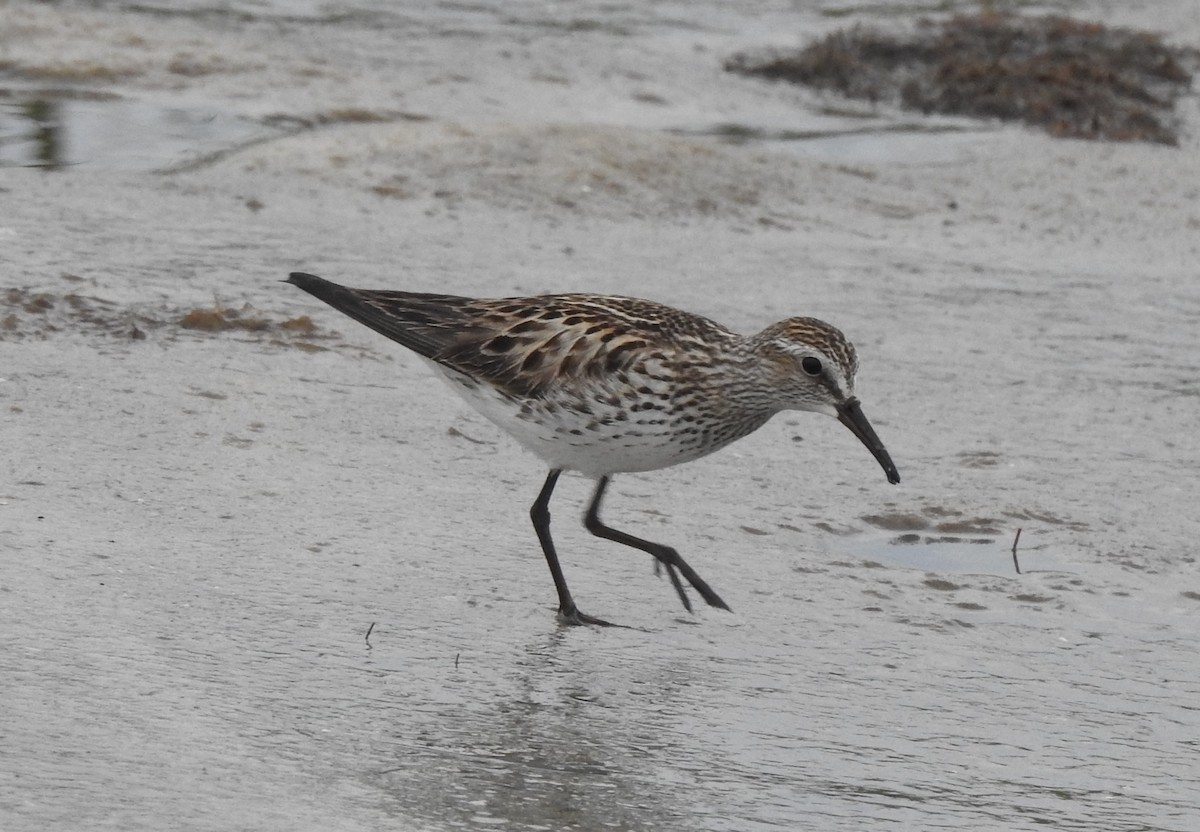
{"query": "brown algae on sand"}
(1074, 79)
(40, 314)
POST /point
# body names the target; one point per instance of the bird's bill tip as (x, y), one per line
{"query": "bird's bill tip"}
(850, 414)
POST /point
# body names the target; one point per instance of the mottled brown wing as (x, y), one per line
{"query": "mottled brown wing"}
(523, 346)
(530, 346)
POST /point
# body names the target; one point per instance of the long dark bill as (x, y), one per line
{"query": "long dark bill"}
(850, 414)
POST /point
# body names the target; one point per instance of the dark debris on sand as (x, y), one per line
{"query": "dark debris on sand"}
(27, 313)
(1075, 79)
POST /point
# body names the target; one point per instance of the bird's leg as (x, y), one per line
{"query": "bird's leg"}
(539, 512)
(665, 555)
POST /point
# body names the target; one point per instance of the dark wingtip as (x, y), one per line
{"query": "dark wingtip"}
(303, 279)
(336, 295)
(893, 476)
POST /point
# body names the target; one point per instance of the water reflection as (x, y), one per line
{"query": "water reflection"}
(963, 556)
(55, 131)
(558, 747)
(44, 117)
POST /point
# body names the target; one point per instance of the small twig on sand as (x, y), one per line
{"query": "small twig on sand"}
(367, 637)
(1014, 551)
(456, 655)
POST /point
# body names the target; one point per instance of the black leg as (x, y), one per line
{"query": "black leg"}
(665, 555)
(539, 512)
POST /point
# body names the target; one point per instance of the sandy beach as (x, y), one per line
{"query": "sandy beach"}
(213, 485)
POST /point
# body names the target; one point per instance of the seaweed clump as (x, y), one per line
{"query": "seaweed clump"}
(33, 314)
(1074, 79)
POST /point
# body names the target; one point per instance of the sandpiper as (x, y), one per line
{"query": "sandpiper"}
(604, 385)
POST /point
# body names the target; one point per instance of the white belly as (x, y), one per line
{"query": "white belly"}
(607, 439)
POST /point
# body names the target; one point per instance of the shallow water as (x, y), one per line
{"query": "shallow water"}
(248, 586)
(123, 135)
(949, 555)
(114, 134)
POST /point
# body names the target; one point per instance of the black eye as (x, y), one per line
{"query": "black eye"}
(811, 365)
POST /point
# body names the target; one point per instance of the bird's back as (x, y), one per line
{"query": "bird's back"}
(525, 347)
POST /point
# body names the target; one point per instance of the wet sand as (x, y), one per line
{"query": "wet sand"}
(197, 528)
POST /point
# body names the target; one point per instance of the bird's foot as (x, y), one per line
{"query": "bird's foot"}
(710, 597)
(672, 561)
(675, 582)
(572, 616)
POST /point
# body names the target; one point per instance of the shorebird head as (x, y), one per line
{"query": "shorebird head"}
(813, 366)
